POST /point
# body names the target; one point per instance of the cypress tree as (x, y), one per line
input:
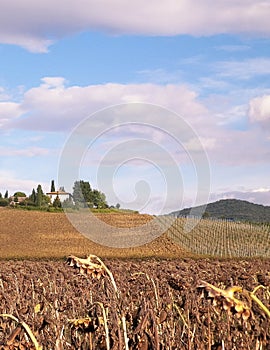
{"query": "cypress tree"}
(39, 196)
(33, 196)
(52, 186)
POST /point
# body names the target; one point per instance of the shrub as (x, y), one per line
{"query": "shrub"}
(4, 202)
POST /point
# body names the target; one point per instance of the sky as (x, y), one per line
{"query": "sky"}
(170, 99)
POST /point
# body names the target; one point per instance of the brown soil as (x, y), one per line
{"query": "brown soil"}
(35, 234)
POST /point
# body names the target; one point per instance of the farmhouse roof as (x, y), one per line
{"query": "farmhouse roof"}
(58, 193)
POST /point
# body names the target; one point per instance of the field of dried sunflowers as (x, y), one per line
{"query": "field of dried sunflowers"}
(159, 296)
(135, 304)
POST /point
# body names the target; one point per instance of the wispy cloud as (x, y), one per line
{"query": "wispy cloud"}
(245, 69)
(233, 48)
(26, 152)
(213, 83)
(161, 76)
(4, 94)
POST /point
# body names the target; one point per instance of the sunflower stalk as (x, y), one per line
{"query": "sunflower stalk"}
(258, 301)
(27, 329)
(97, 269)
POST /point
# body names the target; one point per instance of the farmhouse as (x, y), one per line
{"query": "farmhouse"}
(16, 200)
(61, 193)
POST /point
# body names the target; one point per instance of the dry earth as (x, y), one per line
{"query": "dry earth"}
(35, 234)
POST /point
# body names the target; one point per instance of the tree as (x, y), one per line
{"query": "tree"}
(19, 194)
(84, 196)
(57, 202)
(82, 193)
(3, 202)
(68, 203)
(39, 196)
(99, 199)
(52, 186)
(117, 206)
(6, 194)
(206, 215)
(103, 202)
(33, 196)
(78, 197)
(1, 195)
(86, 191)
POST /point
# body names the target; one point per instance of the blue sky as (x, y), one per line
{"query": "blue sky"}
(207, 63)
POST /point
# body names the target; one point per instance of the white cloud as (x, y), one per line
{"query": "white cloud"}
(14, 182)
(53, 82)
(9, 111)
(261, 190)
(208, 144)
(259, 110)
(29, 41)
(36, 24)
(240, 148)
(251, 195)
(54, 107)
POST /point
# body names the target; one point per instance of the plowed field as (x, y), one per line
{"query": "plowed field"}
(35, 234)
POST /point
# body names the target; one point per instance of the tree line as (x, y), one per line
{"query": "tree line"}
(83, 196)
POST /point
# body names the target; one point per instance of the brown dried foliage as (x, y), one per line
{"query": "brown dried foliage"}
(159, 299)
(227, 300)
(87, 266)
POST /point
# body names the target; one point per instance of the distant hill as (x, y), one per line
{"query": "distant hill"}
(233, 209)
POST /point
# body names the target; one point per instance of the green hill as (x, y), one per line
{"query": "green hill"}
(233, 209)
